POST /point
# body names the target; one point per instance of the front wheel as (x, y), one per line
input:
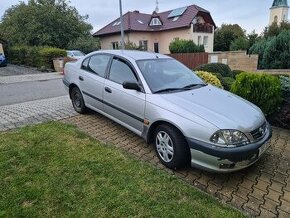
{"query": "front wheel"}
(171, 147)
(78, 100)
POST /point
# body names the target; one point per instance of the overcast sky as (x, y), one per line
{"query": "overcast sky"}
(250, 14)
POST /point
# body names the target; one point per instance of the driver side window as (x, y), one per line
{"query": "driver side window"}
(120, 72)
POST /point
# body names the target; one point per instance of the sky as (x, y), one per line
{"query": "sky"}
(249, 14)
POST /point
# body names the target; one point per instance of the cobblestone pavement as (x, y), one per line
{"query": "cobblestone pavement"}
(18, 115)
(14, 70)
(29, 78)
(262, 190)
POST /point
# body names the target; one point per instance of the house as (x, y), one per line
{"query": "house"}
(279, 12)
(1, 47)
(155, 32)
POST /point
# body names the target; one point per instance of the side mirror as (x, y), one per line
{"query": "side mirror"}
(131, 86)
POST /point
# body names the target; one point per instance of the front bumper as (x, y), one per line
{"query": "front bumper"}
(218, 159)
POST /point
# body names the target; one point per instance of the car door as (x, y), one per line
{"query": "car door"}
(127, 106)
(92, 79)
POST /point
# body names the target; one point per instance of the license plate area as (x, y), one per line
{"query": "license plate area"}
(263, 148)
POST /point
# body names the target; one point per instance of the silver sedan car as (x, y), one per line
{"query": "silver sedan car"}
(164, 102)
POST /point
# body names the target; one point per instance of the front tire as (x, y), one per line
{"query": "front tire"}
(78, 100)
(171, 147)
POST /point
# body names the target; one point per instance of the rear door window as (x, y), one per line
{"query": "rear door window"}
(98, 64)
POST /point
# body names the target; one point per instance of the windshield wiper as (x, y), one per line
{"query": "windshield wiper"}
(169, 90)
(194, 86)
(188, 87)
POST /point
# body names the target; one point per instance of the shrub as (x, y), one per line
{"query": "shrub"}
(227, 82)
(260, 89)
(47, 54)
(40, 57)
(185, 46)
(209, 78)
(237, 72)
(285, 85)
(222, 69)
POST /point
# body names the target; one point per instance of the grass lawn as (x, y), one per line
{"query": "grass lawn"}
(53, 169)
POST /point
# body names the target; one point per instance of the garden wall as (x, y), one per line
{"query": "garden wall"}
(277, 72)
(237, 60)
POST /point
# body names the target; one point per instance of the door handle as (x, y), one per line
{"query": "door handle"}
(81, 78)
(107, 89)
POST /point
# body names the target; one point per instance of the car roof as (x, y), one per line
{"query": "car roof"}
(136, 55)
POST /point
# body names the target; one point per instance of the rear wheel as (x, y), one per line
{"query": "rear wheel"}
(78, 100)
(171, 147)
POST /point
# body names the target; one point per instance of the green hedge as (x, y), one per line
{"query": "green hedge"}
(261, 89)
(185, 46)
(222, 69)
(40, 57)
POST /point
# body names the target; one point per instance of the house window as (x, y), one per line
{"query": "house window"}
(117, 23)
(175, 19)
(205, 41)
(276, 19)
(199, 40)
(143, 44)
(115, 45)
(155, 22)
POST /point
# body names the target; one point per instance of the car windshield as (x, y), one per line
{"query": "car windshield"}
(77, 53)
(165, 75)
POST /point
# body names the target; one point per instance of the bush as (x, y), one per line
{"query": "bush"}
(285, 85)
(237, 72)
(260, 89)
(222, 69)
(47, 54)
(40, 57)
(185, 46)
(209, 78)
(227, 82)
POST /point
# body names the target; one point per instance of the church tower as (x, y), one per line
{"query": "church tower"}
(279, 11)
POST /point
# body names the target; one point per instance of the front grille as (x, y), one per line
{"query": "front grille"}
(259, 133)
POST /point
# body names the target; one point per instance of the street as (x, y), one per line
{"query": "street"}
(14, 93)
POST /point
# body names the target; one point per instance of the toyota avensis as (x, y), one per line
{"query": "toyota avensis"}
(160, 99)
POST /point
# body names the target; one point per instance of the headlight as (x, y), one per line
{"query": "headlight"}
(229, 138)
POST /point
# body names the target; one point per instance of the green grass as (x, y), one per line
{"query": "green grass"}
(53, 169)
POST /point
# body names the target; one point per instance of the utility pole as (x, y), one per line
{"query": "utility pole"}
(122, 26)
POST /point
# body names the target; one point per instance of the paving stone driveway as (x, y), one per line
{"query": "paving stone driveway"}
(262, 190)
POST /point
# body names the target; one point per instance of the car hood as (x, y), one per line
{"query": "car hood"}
(219, 107)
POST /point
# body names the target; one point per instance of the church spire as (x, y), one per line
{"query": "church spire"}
(280, 3)
(157, 6)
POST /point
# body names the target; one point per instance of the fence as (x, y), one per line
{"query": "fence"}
(191, 60)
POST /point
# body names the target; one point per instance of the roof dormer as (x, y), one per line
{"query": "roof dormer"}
(155, 20)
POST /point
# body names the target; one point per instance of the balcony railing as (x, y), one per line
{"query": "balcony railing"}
(202, 28)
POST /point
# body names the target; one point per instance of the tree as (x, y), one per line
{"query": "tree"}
(43, 22)
(85, 44)
(240, 43)
(275, 29)
(274, 52)
(226, 34)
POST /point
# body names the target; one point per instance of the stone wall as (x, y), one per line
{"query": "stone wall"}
(237, 60)
(275, 72)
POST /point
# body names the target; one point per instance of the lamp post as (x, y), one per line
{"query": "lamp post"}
(122, 26)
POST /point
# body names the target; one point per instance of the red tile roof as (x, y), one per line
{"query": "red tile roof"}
(136, 21)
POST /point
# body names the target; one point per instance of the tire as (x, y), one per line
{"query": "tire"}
(171, 147)
(78, 100)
